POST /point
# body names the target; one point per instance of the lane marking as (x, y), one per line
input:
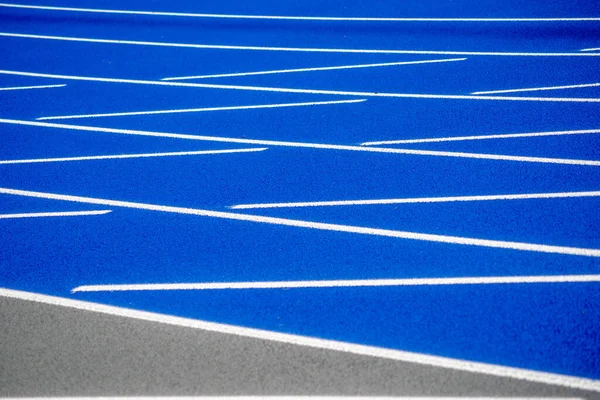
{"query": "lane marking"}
(187, 110)
(482, 137)
(324, 344)
(119, 156)
(309, 397)
(32, 87)
(341, 283)
(418, 200)
(295, 18)
(285, 71)
(296, 49)
(576, 251)
(497, 157)
(585, 85)
(304, 91)
(54, 214)
(595, 49)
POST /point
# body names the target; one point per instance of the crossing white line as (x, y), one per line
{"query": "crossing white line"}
(188, 110)
(341, 283)
(498, 157)
(481, 137)
(32, 87)
(345, 347)
(585, 85)
(303, 91)
(293, 17)
(418, 200)
(285, 71)
(54, 214)
(297, 49)
(576, 251)
(120, 156)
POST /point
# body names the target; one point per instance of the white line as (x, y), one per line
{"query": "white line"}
(254, 397)
(314, 103)
(341, 283)
(296, 18)
(576, 251)
(482, 137)
(54, 214)
(284, 71)
(297, 49)
(595, 49)
(32, 87)
(585, 85)
(498, 157)
(351, 348)
(304, 91)
(418, 200)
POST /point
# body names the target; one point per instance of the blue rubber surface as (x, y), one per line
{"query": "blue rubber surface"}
(552, 327)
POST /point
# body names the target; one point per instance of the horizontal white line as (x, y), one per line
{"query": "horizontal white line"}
(54, 214)
(482, 137)
(595, 49)
(254, 397)
(314, 103)
(119, 156)
(296, 18)
(576, 251)
(351, 348)
(585, 85)
(32, 87)
(297, 49)
(341, 283)
(285, 71)
(419, 200)
(306, 145)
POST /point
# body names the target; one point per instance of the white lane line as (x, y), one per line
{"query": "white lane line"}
(418, 200)
(345, 347)
(595, 49)
(296, 49)
(32, 87)
(497, 157)
(481, 137)
(303, 91)
(576, 251)
(119, 156)
(293, 17)
(255, 397)
(585, 85)
(491, 280)
(54, 214)
(285, 71)
(187, 110)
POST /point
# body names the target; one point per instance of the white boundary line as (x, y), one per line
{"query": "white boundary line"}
(285, 71)
(481, 137)
(54, 214)
(341, 283)
(499, 244)
(296, 49)
(398, 355)
(498, 157)
(31, 87)
(187, 110)
(585, 85)
(418, 200)
(595, 49)
(253, 397)
(296, 18)
(120, 156)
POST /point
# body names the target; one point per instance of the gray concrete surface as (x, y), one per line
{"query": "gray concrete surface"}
(47, 350)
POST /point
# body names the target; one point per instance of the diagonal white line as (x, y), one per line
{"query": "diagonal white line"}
(419, 200)
(32, 87)
(481, 137)
(585, 85)
(345, 347)
(489, 280)
(54, 214)
(285, 71)
(187, 110)
(595, 49)
(296, 49)
(293, 17)
(498, 157)
(314, 225)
